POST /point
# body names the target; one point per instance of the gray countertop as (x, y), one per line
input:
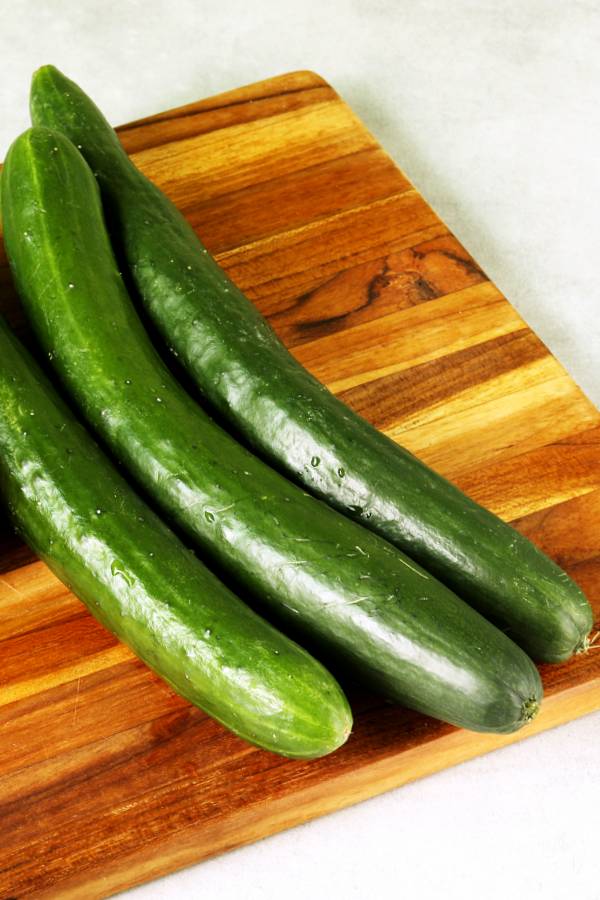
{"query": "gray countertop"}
(491, 109)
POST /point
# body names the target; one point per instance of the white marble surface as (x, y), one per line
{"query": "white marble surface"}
(492, 110)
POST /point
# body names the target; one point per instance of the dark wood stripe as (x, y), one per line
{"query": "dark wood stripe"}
(372, 289)
(134, 794)
(104, 756)
(59, 721)
(39, 631)
(148, 134)
(567, 531)
(562, 470)
(386, 401)
(341, 241)
(14, 554)
(292, 83)
(53, 647)
(587, 576)
(232, 219)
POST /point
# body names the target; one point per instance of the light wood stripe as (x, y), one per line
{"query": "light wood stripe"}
(201, 118)
(364, 292)
(236, 157)
(315, 193)
(28, 583)
(538, 479)
(79, 713)
(18, 690)
(454, 442)
(567, 531)
(324, 246)
(412, 337)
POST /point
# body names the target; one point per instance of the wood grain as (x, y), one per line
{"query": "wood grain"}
(107, 778)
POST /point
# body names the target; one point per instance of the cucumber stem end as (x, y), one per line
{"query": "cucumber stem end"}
(530, 709)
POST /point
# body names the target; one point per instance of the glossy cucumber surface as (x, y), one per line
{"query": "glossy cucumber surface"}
(79, 515)
(367, 606)
(292, 421)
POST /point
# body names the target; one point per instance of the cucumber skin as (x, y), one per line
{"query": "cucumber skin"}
(290, 419)
(134, 575)
(342, 587)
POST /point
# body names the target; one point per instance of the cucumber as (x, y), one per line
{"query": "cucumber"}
(292, 421)
(366, 606)
(79, 515)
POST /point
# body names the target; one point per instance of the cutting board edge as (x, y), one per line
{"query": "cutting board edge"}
(251, 824)
(242, 94)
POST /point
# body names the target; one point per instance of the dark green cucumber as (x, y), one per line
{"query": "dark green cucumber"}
(369, 607)
(290, 419)
(78, 514)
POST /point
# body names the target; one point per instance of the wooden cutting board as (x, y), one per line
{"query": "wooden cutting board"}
(107, 778)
